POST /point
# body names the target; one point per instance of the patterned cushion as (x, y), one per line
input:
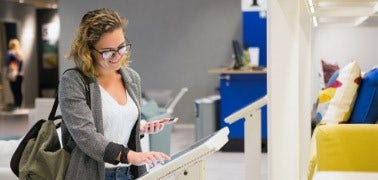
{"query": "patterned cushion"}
(328, 70)
(345, 86)
(366, 106)
(325, 97)
(333, 78)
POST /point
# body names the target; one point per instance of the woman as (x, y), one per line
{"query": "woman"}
(14, 72)
(105, 136)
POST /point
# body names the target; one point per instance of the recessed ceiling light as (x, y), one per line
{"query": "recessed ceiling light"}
(314, 21)
(360, 20)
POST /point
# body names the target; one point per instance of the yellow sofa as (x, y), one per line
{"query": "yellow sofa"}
(344, 147)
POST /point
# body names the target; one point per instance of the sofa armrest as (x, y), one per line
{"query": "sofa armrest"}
(313, 161)
(347, 147)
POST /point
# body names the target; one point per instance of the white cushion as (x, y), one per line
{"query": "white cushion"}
(341, 105)
(7, 174)
(6, 151)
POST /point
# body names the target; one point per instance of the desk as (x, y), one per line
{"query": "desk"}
(239, 88)
(233, 71)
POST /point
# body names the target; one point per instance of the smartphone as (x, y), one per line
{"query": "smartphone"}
(172, 120)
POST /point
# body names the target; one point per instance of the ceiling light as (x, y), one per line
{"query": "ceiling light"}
(375, 8)
(311, 6)
(360, 20)
(312, 10)
(315, 21)
(310, 3)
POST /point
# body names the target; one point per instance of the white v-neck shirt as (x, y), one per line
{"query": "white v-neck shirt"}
(118, 119)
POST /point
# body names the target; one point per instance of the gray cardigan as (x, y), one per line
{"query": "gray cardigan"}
(82, 127)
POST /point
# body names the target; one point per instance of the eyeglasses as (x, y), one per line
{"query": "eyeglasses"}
(110, 54)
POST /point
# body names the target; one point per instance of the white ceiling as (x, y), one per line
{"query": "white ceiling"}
(325, 12)
(344, 12)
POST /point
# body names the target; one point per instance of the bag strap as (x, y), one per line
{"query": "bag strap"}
(52, 115)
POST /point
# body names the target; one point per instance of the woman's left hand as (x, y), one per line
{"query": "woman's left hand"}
(152, 127)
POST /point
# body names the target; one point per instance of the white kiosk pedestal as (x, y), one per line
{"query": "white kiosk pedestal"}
(189, 164)
(252, 136)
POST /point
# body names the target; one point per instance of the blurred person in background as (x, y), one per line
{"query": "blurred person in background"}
(14, 61)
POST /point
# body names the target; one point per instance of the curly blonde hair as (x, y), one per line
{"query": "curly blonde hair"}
(92, 26)
(14, 44)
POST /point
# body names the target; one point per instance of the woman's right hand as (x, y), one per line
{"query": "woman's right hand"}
(149, 158)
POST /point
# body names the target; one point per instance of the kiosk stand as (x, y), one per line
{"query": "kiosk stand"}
(252, 136)
(189, 164)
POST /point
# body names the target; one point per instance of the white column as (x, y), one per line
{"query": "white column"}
(305, 87)
(288, 56)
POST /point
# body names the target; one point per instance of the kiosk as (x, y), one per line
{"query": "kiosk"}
(189, 164)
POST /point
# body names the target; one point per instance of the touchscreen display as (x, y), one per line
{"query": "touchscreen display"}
(192, 154)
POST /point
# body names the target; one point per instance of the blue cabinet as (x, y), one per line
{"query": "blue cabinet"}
(238, 90)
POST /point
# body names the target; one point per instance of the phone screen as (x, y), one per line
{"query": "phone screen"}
(172, 120)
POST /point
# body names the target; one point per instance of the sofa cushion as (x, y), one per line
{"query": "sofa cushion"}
(366, 106)
(313, 161)
(347, 147)
(333, 78)
(7, 149)
(345, 86)
(325, 97)
(328, 70)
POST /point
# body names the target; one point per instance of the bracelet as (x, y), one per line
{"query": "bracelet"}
(122, 158)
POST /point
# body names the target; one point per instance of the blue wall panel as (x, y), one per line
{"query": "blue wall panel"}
(254, 33)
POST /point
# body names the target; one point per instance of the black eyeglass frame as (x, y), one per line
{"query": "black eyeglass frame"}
(114, 51)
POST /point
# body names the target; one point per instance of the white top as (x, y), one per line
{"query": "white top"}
(118, 119)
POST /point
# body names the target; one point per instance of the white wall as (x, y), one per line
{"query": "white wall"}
(342, 45)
